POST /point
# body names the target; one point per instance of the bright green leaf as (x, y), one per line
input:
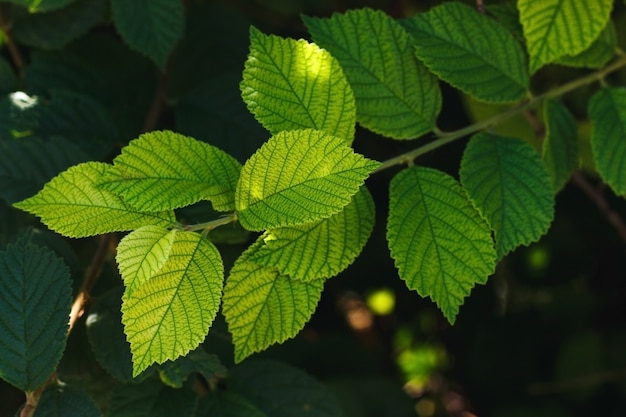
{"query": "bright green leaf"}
(440, 244)
(163, 170)
(27, 164)
(152, 27)
(321, 249)
(170, 314)
(263, 307)
(560, 145)
(66, 401)
(290, 85)
(56, 29)
(470, 51)
(298, 177)
(280, 390)
(72, 205)
(34, 307)
(607, 112)
(175, 373)
(510, 185)
(598, 54)
(142, 253)
(555, 28)
(395, 94)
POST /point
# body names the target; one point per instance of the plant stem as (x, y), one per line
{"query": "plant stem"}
(443, 138)
(14, 51)
(208, 226)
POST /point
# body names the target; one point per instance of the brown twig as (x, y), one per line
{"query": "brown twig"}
(596, 196)
(158, 104)
(14, 51)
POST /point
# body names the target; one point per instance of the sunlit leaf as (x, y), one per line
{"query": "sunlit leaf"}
(560, 145)
(163, 170)
(72, 205)
(34, 309)
(439, 242)
(170, 314)
(263, 307)
(289, 85)
(510, 185)
(556, 28)
(152, 27)
(489, 64)
(395, 94)
(321, 249)
(598, 54)
(298, 177)
(607, 112)
(142, 253)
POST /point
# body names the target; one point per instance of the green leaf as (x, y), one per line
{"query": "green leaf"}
(27, 164)
(263, 307)
(555, 28)
(152, 27)
(560, 145)
(66, 402)
(510, 185)
(489, 64)
(440, 244)
(281, 390)
(37, 6)
(298, 177)
(35, 306)
(72, 205)
(598, 54)
(142, 253)
(321, 249)
(290, 85)
(175, 373)
(221, 403)
(395, 94)
(170, 314)
(151, 398)
(8, 80)
(58, 28)
(607, 112)
(163, 170)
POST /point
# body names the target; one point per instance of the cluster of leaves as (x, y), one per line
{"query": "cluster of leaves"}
(303, 190)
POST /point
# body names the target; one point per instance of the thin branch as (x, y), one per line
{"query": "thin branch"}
(105, 244)
(158, 104)
(16, 55)
(596, 196)
(208, 226)
(447, 137)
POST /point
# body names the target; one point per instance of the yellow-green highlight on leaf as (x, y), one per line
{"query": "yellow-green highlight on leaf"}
(290, 85)
(598, 54)
(71, 204)
(560, 145)
(263, 307)
(441, 245)
(607, 112)
(321, 249)
(470, 51)
(395, 94)
(163, 170)
(39, 6)
(298, 177)
(556, 28)
(510, 185)
(170, 313)
(142, 253)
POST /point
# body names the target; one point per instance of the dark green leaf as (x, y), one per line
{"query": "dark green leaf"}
(35, 306)
(66, 402)
(227, 404)
(37, 6)
(152, 27)
(151, 399)
(8, 81)
(560, 146)
(280, 390)
(56, 29)
(175, 373)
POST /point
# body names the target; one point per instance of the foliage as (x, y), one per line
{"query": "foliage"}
(298, 186)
